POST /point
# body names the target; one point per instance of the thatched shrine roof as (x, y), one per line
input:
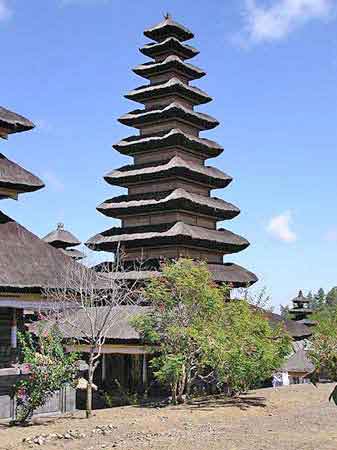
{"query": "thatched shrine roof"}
(169, 45)
(299, 362)
(61, 238)
(27, 263)
(176, 233)
(73, 253)
(171, 64)
(168, 28)
(174, 111)
(300, 299)
(176, 167)
(174, 86)
(15, 177)
(295, 329)
(165, 139)
(164, 201)
(14, 123)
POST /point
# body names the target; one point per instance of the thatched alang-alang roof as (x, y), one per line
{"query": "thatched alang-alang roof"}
(169, 45)
(174, 137)
(12, 122)
(168, 28)
(297, 330)
(299, 362)
(174, 86)
(300, 299)
(171, 64)
(179, 199)
(175, 233)
(26, 261)
(176, 167)
(174, 111)
(61, 238)
(15, 177)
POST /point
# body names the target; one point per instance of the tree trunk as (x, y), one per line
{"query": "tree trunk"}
(174, 393)
(89, 386)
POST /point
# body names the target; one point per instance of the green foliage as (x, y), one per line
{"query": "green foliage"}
(331, 297)
(196, 333)
(48, 368)
(323, 346)
(285, 314)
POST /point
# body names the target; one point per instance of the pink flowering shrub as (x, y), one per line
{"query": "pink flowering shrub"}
(47, 368)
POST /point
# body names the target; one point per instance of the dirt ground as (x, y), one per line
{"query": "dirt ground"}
(287, 418)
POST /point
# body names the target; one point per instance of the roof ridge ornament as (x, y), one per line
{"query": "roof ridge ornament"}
(167, 16)
(60, 226)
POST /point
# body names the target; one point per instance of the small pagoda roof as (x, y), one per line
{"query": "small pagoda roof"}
(170, 45)
(61, 238)
(299, 362)
(158, 113)
(14, 123)
(297, 330)
(168, 138)
(16, 178)
(73, 253)
(300, 298)
(178, 199)
(171, 63)
(168, 28)
(175, 167)
(27, 263)
(176, 233)
(174, 86)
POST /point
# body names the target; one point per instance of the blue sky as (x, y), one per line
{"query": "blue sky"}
(271, 68)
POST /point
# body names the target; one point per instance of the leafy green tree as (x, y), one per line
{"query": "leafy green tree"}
(319, 300)
(197, 334)
(331, 297)
(285, 314)
(48, 369)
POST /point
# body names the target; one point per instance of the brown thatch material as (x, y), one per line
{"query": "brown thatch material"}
(179, 199)
(14, 123)
(15, 177)
(172, 87)
(300, 299)
(61, 238)
(26, 261)
(73, 253)
(174, 137)
(168, 28)
(171, 63)
(169, 45)
(176, 233)
(297, 330)
(299, 362)
(174, 111)
(176, 167)
(232, 274)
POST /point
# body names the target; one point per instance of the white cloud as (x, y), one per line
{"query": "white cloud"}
(5, 11)
(280, 227)
(53, 181)
(276, 21)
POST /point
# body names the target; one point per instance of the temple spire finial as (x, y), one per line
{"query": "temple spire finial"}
(167, 16)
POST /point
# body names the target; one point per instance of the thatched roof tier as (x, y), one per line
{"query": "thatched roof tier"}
(232, 274)
(179, 199)
(174, 111)
(73, 253)
(15, 178)
(172, 64)
(170, 45)
(174, 86)
(176, 233)
(61, 238)
(168, 28)
(14, 123)
(297, 331)
(300, 299)
(163, 140)
(175, 168)
(27, 263)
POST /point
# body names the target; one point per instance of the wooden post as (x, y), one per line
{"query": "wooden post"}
(103, 367)
(144, 371)
(14, 329)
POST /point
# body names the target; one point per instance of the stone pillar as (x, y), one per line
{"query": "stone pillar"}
(144, 370)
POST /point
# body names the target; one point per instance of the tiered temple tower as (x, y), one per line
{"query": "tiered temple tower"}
(64, 240)
(168, 211)
(301, 311)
